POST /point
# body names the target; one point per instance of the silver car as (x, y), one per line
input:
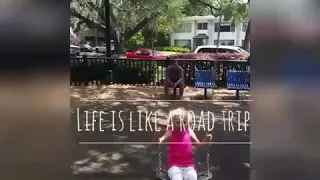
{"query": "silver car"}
(75, 50)
(103, 48)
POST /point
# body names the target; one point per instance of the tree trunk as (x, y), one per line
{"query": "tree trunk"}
(101, 28)
(119, 44)
(147, 35)
(122, 46)
(246, 39)
(77, 26)
(108, 28)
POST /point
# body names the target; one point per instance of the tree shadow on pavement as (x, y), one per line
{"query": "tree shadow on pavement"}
(139, 161)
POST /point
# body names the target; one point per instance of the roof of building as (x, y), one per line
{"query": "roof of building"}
(220, 46)
(201, 36)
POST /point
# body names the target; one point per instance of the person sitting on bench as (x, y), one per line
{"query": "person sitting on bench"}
(174, 78)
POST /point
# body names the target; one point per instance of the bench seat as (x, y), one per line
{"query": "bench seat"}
(205, 79)
(238, 80)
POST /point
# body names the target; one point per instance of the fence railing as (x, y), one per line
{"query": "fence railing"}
(102, 70)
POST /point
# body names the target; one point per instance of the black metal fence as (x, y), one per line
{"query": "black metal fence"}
(102, 70)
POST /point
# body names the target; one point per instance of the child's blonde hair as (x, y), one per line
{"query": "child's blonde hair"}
(181, 113)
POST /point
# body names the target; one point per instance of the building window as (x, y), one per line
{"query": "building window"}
(183, 28)
(244, 26)
(182, 42)
(202, 26)
(225, 42)
(224, 27)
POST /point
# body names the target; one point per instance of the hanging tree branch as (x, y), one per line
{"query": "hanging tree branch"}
(215, 11)
(77, 26)
(212, 7)
(143, 23)
(215, 14)
(99, 9)
(90, 23)
(99, 23)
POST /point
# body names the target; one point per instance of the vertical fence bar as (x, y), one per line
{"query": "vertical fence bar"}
(149, 72)
(84, 68)
(93, 72)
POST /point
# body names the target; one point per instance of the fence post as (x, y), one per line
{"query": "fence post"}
(71, 64)
(110, 76)
(225, 69)
(85, 66)
(167, 62)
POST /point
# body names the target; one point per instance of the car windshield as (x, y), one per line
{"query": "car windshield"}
(74, 48)
(155, 52)
(242, 50)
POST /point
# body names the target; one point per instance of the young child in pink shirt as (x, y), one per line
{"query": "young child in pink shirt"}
(181, 165)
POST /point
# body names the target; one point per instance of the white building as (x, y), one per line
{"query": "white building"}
(202, 30)
(91, 36)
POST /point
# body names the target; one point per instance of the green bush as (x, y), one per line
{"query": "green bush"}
(179, 49)
(135, 42)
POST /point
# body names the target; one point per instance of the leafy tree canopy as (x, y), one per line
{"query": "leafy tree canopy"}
(128, 16)
(231, 10)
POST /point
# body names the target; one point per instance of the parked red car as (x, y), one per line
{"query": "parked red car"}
(145, 53)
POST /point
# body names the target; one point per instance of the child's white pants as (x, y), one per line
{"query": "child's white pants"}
(182, 173)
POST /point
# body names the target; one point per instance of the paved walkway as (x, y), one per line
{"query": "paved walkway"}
(139, 161)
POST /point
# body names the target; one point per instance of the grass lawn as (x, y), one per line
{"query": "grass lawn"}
(168, 52)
